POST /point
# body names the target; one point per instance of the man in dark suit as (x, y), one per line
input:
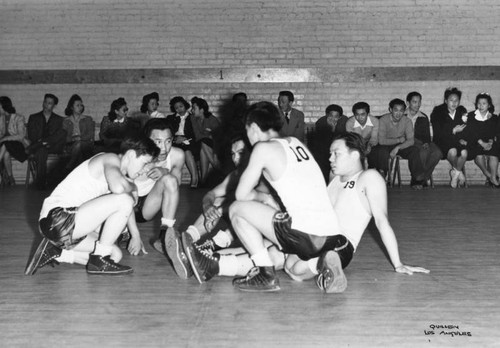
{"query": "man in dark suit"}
(46, 134)
(325, 129)
(293, 124)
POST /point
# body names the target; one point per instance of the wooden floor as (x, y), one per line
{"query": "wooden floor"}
(454, 233)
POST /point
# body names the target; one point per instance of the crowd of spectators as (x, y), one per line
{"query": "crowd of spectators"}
(449, 133)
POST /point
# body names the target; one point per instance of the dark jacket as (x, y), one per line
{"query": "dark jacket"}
(442, 127)
(51, 132)
(296, 126)
(175, 121)
(422, 131)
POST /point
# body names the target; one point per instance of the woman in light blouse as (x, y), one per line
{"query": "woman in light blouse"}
(13, 139)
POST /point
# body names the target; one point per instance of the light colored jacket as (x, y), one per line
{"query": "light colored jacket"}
(16, 129)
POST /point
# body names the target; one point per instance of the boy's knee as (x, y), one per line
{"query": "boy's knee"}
(169, 182)
(125, 201)
(234, 210)
(292, 272)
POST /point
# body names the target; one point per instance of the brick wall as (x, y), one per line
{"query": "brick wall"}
(269, 34)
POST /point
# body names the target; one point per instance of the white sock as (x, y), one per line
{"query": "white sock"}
(194, 233)
(228, 265)
(223, 238)
(313, 265)
(67, 256)
(262, 258)
(102, 250)
(167, 222)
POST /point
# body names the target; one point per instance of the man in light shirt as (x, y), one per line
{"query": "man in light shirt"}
(396, 137)
(365, 125)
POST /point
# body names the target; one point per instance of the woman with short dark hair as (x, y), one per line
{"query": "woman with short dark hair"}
(204, 126)
(13, 139)
(80, 133)
(117, 126)
(180, 119)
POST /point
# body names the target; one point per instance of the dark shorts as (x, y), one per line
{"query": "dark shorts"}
(58, 227)
(138, 210)
(308, 246)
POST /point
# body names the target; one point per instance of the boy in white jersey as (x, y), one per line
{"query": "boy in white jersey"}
(97, 195)
(308, 222)
(357, 195)
(158, 189)
(204, 255)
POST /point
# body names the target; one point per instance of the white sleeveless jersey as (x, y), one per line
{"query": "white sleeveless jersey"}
(354, 216)
(302, 190)
(145, 184)
(77, 188)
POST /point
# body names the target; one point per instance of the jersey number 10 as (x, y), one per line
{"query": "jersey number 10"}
(300, 153)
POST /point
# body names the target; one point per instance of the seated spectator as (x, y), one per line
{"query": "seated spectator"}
(117, 126)
(215, 219)
(13, 140)
(150, 103)
(184, 135)
(204, 125)
(396, 137)
(448, 123)
(430, 154)
(480, 136)
(231, 115)
(365, 125)
(46, 134)
(325, 129)
(80, 133)
(240, 98)
(293, 119)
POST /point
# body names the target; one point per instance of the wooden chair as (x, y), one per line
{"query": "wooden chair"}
(31, 171)
(395, 172)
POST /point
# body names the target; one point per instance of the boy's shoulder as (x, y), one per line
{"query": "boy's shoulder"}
(177, 156)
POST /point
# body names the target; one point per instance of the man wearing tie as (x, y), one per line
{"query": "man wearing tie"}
(293, 124)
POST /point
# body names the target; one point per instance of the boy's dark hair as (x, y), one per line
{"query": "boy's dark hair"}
(361, 105)
(176, 100)
(141, 145)
(354, 142)
(53, 97)
(410, 96)
(157, 123)
(69, 108)
(287, 94)
(265, 115)
(334, 107)
(486, 96)
(7, 105)
(147, 98)
(395, 102)
(452, 90)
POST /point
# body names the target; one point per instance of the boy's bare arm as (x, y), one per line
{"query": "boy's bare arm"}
(376, 192)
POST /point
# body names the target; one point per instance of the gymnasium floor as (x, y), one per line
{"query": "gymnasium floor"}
(454, 233)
